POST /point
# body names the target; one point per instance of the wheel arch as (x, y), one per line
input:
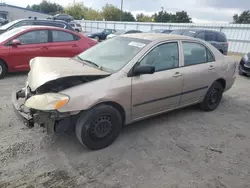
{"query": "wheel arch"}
(117, 106)
(222, 81)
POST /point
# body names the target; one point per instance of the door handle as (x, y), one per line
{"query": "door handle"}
(177, 74)
(211, 67)
(74, 45)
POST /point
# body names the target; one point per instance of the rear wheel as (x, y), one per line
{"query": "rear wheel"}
(213, 97)
(97, 38)
(98, 127)
(77, 30)
(3, 69)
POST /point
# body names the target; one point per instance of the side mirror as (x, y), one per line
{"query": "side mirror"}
(143, 70)
(15, 42)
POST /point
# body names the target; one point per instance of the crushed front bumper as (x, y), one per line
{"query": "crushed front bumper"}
(52, 121)
(23, 115)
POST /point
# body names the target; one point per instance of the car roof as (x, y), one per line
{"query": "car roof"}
(196, 30)
(38, 19)
(41, 27)
(157, 36)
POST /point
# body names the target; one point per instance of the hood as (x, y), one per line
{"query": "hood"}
(45, 69)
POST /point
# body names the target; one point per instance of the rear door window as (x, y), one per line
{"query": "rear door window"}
(210, 36)
(34, 37)
(62, 36)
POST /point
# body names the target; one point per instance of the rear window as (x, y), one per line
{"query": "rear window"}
(221, 38)
(177, 32)
(78, 25)
(54, 24)
(189, 33)
(72, 25)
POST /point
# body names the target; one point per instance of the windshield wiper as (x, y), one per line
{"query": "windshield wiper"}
(88, 61)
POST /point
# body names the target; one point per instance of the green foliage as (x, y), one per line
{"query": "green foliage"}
(46, 7)
(111, 12)
(128, 17)
(143, 18)
(243, 18)
(178, 17)
(91, 14)
(76, 10)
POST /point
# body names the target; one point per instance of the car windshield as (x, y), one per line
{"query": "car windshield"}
(120, 32)
(177, 32)
(113, 54)
(6, 35)
(189, 33)
(6, 26)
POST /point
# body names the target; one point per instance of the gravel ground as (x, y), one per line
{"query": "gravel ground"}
(172, 150)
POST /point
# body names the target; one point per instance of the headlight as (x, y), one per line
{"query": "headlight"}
(48, 101)
(246, 57)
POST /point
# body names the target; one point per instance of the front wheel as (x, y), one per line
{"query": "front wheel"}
(98, 127)
(97, 38)
(213, 97)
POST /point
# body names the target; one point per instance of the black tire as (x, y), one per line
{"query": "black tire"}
(221, 51)
(241, 73)
(213, 97)
(98, 127)
(77, 30)
(3, 69)
(97, 38)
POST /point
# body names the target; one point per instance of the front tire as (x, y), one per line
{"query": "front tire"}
(97, 39)
(98, 127)
(3, 69)
(213, 97)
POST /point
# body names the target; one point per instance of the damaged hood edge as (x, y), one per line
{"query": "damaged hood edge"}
(45, 69)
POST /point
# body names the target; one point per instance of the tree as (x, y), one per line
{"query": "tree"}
(127, 16)
(91, 14)
(76, 10)
(243, 18)
(182, 17)
(143, 18)
(111, 13)
(46, 7)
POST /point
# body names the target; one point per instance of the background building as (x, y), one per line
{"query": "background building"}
(11, 12)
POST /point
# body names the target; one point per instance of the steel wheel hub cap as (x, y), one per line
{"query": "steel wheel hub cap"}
(1, 70)
(101, 127)
(213, 98)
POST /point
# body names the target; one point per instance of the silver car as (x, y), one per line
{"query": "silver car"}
(121, 81)
(76, 26)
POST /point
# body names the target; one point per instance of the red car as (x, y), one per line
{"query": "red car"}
(18, 46)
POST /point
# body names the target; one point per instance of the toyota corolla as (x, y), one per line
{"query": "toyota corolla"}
(120, 81)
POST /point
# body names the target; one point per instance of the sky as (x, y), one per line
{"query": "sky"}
(201, 11)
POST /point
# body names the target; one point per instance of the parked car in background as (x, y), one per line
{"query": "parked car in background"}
(101, 35)
(167, 31)
(35, 21)
(121, 81)
(18, 46)
(63, 17)
(217, 39)
(244, 65)
(3, 21)
(123, 32)
(76, 26)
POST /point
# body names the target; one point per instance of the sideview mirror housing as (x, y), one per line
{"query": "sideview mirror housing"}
(15, 42)
(143, 70)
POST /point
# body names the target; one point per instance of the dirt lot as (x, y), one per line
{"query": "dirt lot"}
(172, 150)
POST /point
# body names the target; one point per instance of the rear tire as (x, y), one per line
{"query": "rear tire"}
(3, 69)
(77, 30)
(98, 127)
(97, 39)
(213, 97)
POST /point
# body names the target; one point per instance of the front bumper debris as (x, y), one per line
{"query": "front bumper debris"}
(23, 115)
(52, 121)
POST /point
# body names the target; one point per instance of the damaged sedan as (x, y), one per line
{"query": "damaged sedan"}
(121, 81)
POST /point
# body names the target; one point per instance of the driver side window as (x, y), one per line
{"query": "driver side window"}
(163, 57)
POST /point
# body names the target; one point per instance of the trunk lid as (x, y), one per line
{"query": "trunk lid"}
(45, 69)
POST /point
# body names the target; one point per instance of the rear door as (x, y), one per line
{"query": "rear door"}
(33, 44)
(64, 44)
(199, 71)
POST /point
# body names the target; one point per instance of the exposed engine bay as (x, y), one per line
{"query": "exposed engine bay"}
(60, 84)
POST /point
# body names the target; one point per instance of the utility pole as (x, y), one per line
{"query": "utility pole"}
(121, 10)
(162, 8)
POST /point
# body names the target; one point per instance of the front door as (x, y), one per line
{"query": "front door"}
(33, 44)
(154, 93)
(199, 72)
